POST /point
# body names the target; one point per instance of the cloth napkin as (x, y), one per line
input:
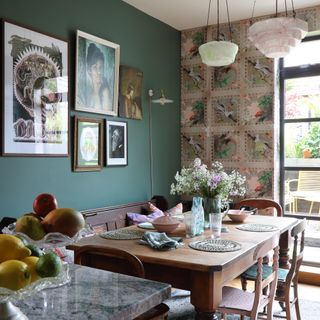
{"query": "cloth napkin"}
(159, 241)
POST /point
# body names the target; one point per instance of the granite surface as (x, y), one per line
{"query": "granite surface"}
(95, 294)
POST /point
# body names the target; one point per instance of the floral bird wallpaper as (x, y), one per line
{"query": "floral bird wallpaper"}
(229, 113)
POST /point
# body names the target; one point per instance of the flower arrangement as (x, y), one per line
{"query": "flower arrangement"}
(199, 180)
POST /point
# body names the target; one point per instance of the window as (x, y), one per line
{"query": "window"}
(300, 140)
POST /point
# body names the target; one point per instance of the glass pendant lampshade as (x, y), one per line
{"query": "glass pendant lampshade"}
(218, 53)
(276, 37)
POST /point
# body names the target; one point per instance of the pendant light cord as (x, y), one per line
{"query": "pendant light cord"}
(208, 16)
(229, 23)
(254, 6)
(293, 10)
(218, 20)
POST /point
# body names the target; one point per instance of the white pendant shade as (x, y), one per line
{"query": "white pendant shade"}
(277, 36)
(218, 53)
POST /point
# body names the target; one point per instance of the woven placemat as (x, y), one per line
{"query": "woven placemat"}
(215, 245)
(122, 234)
(257, 227)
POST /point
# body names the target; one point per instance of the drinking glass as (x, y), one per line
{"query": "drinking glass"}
(215, 224)
(191, 224)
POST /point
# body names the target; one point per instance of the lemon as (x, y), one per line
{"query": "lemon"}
(12, 247)
(49, 265)
(32, 262)
(14, 274)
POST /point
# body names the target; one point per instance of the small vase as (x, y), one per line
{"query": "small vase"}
(198, 212)
(211, 205)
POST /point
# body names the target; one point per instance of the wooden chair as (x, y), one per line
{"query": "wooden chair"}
(127, 263)
(260, 203)
(307, 189)
(287, 278)
(243, 303)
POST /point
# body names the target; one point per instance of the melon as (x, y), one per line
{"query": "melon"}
(64, 220)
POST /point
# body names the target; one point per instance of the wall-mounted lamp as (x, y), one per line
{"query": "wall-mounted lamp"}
(162, 100)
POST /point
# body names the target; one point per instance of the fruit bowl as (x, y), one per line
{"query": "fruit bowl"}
(52, 239)
(44, 283)
(9, 311)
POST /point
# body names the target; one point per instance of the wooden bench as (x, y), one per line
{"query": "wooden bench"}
(115, 217)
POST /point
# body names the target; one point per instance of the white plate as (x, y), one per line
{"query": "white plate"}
(146, 225)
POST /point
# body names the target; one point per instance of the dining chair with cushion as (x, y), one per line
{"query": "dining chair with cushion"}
(267, 205)
(127, 263)
(244, 303)
(286, 278)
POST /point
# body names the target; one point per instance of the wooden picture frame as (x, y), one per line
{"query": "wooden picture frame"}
(35, 93)
(117, 143)
(130, 93)
(88, 144)
(97, 74)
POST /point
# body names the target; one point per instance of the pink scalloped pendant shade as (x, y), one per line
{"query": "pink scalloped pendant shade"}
(276, 37)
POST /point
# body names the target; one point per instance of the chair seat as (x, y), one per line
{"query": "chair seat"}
(251, 273)
(233, 298)
(158, 312)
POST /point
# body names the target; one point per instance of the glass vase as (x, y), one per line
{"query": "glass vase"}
(211, 205)
(198, 213)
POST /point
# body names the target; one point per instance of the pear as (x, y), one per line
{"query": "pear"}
(31, 226)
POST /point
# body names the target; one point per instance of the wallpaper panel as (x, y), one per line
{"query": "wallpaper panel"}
(230, 113)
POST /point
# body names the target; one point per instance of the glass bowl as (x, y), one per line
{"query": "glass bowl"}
(7, 297)
(52, 239)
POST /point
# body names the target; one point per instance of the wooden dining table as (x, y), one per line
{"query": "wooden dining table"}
(203, 273)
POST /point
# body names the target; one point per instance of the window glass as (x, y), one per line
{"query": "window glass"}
(302, 97)
(305, 53)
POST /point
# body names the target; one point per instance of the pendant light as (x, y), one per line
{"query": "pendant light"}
(218, 53)
(277, 36)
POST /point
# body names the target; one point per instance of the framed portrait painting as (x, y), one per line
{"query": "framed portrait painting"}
(117, 146)
(97, 74)
(88, 144)
(130, 93)
(35, 110)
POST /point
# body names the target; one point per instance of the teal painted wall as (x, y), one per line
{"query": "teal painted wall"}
(145, 43)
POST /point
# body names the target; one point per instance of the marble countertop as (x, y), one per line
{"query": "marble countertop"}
(95, 294)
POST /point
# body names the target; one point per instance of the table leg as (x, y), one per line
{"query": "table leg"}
(206, 294)
(283, 261)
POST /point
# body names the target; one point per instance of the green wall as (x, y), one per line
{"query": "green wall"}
(145, 43)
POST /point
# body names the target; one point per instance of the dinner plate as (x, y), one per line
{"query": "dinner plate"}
(146, 225)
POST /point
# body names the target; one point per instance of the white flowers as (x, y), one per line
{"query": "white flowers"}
(199, 180)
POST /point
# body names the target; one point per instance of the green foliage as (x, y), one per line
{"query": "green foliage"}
(310, 141)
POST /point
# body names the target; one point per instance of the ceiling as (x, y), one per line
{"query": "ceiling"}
(187, 14)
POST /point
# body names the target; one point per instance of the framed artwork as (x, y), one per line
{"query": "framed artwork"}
(130, 93)
(117, 148)
(35, 111)
(88, 144)
(97, 74)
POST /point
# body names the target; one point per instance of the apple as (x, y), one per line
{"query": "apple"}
(44, 203)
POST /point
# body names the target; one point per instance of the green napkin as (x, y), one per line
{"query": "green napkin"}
(159, 241)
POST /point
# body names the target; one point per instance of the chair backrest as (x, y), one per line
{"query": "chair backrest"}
(260, 203)
(297, 233)
(104, 258)
(271, 280)
(308, 181)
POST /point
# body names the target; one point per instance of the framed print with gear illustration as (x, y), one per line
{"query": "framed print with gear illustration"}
(35, 110)
(88, 144)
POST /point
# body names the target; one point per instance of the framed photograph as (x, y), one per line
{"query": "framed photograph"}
(35, 111)
(130, 93)
(117, 148)
(97, 74)
(88, 144)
